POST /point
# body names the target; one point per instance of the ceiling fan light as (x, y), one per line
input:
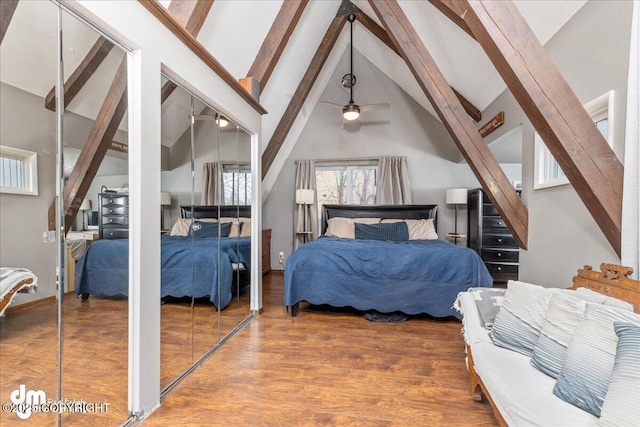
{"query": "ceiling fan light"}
(351, 112)
(222, 121)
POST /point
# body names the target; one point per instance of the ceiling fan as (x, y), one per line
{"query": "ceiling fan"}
(352, 111)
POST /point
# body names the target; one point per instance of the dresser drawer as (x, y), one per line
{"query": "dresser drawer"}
(114, 220)
(115, 201)
(499, 240)
(502, 272)
(114, 210)
(115, 233)
(489, 210)
(494, 223)
(500, 255)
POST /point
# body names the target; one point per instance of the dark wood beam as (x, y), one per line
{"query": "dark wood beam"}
(191, 13)
(7, 9)
(552, 107)
(199, 50)
(276, 40)
(99, 140)
(301, 93)
(81, 74)
(381, 33)
(453, 116)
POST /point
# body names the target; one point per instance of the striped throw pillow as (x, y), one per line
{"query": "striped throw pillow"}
(584, 378)
(621, 405)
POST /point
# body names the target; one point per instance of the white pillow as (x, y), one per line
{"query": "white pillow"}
(610, 301)
(521, 316)
(419, 229)
(585, 375)
(245, 230)
(344, 227)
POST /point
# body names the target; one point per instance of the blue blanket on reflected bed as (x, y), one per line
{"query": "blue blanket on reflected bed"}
(189, 268)
(417, 276)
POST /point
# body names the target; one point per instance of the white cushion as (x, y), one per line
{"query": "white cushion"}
(419, 229)
(344, 227)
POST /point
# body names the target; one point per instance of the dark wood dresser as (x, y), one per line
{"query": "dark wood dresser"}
(266, 251)
(489, 236)
(113, 215)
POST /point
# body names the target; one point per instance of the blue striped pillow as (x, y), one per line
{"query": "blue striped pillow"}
(397, 231)
(584, 378)
(621, 405)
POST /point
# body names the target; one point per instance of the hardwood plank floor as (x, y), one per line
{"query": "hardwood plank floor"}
(329, 368)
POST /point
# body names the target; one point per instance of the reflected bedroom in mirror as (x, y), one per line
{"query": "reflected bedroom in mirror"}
(206, 241)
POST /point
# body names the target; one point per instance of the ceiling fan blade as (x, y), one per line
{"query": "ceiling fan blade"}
(332, 103)
(374, 107)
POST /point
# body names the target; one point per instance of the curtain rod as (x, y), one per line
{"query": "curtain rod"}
(347, 159)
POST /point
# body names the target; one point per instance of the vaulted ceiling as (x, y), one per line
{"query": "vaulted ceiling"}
(279, 56)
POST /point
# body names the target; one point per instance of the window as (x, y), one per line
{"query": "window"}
(346, 183)
(18, 171)
(547, 172)
(236, 180)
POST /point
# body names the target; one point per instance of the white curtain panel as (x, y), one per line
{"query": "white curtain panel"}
(305, 217)
(394, 187)
(211, 184)
(631, 193)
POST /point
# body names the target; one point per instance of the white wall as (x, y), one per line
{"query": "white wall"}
(405, 129)
(591, 51)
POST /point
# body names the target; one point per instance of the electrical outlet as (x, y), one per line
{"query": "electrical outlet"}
(281, 256)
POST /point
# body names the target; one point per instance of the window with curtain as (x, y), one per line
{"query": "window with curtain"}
(236, 182)
(346, 183)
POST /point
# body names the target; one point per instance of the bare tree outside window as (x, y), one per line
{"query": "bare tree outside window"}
(338, 185)
(237, 186)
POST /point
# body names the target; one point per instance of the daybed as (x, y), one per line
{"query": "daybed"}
(394, 263)
(13, 281)
(564, 358)
(190, 267)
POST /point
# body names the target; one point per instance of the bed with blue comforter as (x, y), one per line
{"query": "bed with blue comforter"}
(189, 267)
(416, 276)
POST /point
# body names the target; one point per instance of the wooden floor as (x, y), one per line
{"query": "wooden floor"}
(94, 349)
(329, 368)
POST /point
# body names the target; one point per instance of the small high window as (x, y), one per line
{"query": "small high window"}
(18, 171)
(547, 172)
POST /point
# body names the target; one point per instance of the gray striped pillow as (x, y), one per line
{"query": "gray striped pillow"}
(565, 312)
(621, 405)
(584, 378)
(521, 316)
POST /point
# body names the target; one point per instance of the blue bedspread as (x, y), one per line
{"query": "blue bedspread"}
(418, 276)
(189, 268)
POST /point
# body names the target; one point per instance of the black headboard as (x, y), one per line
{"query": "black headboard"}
(381, 211)
(230, 211)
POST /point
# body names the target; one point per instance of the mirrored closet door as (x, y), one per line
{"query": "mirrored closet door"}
(210, 215)
(63, 338)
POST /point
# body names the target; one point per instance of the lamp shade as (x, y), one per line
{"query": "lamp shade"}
(86, 205)
(305, 196)
(165, 199)
(457, 196)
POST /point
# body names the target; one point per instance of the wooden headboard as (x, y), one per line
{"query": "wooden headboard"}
(612, 280)
(230, 211)
(381, 211)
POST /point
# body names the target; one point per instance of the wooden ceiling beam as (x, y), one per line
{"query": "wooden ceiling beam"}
(552, 107)
(301, 93)
(276, 40)
(381, 33)
(191, 13)
(81, 74)
(99, 140)
(453, 116)
(7, 9)
(173, 25)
